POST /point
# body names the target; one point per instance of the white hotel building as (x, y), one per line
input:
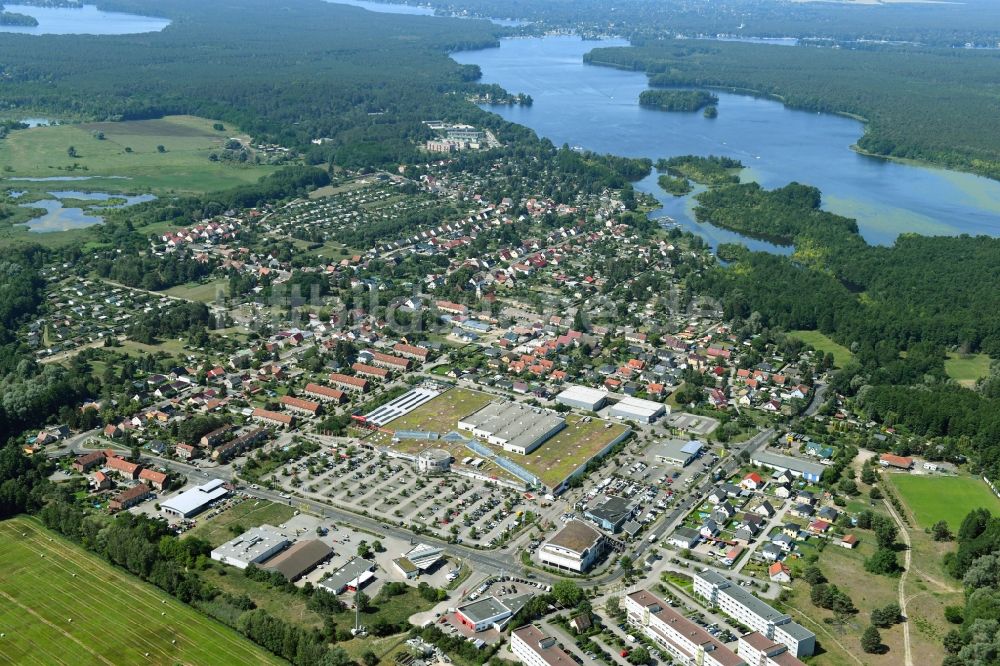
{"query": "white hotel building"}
(745, 608)
(686, 642)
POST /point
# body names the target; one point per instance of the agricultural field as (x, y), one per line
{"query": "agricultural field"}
(251, 513)
(129, 153)
(967, 369)
(947, 498)
(822, 343)
(59, 602)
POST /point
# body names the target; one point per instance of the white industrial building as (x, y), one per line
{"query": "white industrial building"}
(682, 639)
(418, 559)
(575, 547)
(680, 452)
(581, 397)
(252, 547)
(516, 427)
(738, 603)
(433, 461)
(195, 500)
(533, 648)
(637, 409)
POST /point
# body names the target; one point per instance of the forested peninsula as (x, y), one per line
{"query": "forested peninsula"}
(14, 18)
(898, 308)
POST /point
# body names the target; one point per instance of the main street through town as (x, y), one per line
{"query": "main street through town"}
(502, 560)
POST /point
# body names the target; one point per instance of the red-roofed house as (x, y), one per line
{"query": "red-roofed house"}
(124, 468)
(88, 461)
(324, 393)
(779, 573)
(274, 418)
(349, 383)
(411, 351)
(300, 405)
(899, 462)
(752, 481)
(185, 451)
(849, 541)
(100, 481)
(129, 498)
(156, 479)
(365, 370)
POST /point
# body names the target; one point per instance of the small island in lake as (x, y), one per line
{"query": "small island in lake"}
(677, 186)
(711, 111)
(677, 100)
(13, 18)
(711, 171)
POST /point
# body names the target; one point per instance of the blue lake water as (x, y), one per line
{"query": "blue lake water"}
(60, 218)
(85, 20)
(597, 108)
(65, 179)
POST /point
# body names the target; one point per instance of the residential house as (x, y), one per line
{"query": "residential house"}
(779, 573)
(129, 498)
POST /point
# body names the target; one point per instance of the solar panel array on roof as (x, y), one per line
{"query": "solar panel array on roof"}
(400, 406)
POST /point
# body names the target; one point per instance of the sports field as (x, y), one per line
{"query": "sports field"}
(129, 152)
(60, 604)
(822, 343)
(948, 498)
(967, 369)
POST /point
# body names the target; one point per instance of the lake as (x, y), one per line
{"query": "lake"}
(85, 20)
(597, 108)
(60, 218)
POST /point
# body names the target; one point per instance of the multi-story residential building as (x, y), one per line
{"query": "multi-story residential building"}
(686, 642)
(533, 648)
(738, 603)
(758, 650)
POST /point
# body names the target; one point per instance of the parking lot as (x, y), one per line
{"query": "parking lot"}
(363, 480)
(690, 423)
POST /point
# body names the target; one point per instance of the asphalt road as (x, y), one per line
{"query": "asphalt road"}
(495, 561)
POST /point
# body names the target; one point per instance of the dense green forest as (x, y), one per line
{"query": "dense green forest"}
(944, 23)
(677, 100)
(674, 185)
(897, 308)
(936, 105)
(976, 639)
(286, 74)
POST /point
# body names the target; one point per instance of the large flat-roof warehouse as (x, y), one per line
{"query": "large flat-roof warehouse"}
(678, 452)
(582, 397)
(252, 547)
(637, 409)
(516, 427)
(300, 559)
(195, 500)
